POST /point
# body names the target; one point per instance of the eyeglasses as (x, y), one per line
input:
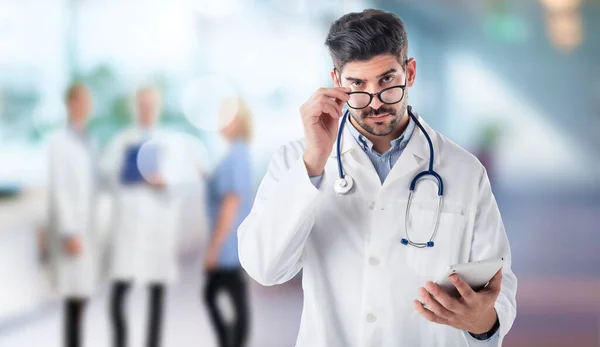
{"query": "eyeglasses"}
(388, 96)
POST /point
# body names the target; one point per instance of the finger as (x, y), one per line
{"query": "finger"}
(341, 102)
(324, 105)
(334, 104)
(331, 124)
(450, 303)
(433, 305)
(339, 93)
(330, 110)
(496, 282)
(430, 316)
(463, 287)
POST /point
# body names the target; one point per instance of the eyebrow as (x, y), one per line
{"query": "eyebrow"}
(387, 72)
(379, 76)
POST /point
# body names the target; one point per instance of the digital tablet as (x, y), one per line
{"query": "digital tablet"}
(477, 274)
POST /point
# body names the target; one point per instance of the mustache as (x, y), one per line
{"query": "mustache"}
(377, 112)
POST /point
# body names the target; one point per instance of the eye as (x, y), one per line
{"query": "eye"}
(356, 83)
(387, 79)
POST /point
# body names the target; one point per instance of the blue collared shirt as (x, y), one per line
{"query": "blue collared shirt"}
(233, 175)
(383, 163)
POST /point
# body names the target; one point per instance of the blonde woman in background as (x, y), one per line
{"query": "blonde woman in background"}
(230, 196)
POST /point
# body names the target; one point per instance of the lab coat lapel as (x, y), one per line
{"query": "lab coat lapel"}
(415, 157)
(351, 151)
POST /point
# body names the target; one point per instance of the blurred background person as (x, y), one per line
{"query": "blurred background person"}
(144, 236)
(71, 210)
(230, 196)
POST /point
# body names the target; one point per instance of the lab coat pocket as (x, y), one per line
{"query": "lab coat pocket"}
(430, 262)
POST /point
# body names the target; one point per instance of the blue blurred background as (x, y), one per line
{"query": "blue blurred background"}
(517, 82)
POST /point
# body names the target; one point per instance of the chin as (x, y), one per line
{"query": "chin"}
(379, 125)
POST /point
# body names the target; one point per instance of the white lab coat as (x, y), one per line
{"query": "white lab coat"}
(359, 281)
(142, 242)
(71, 213)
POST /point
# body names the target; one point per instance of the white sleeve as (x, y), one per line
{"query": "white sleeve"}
(61, 192)
(111, 161)
(272, 237)
(490, 241)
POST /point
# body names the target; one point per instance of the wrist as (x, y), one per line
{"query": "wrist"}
(314, 162)
(487, 322)
(214, 248)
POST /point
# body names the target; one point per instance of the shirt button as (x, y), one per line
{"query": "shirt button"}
(371, 318)
(382, 160)
(372, 205)
(403, 145)
(373, 261)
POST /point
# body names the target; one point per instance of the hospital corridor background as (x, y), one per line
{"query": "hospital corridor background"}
(516, 82)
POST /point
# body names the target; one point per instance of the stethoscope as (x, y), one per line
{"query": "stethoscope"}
(344, 183)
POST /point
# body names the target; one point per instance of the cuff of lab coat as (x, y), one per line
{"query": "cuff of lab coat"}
(492, 341)
(298, 182)
(505, 319)
(68, 234)
(67, 227)
(296, 186)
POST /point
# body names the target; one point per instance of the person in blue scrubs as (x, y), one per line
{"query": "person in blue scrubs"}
(230, 197)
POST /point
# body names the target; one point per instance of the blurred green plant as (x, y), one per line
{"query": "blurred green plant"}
(490, 134)
(114, 105)
(22, 120)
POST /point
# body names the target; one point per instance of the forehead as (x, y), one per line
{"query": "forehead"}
(370, 69)
(79, 93)
(147, 96)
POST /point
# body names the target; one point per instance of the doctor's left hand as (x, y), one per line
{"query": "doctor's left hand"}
(473, 311)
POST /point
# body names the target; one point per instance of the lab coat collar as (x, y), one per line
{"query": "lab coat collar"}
(416, 154)
(348, 142)
(420, 147)
(417, 145)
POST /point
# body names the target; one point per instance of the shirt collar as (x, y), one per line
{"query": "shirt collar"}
(366, 144)
(83, 136)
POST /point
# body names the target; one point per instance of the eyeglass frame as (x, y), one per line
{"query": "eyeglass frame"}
(371, 95)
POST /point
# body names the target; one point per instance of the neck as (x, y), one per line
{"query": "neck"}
(78, 127)
(382, 144)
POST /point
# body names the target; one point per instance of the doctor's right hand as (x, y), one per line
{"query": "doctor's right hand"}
(320, 117)
(72, 246)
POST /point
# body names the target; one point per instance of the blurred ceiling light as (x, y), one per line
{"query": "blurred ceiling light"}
(565, 30)
(560, 5)
(564, 24)
(214, 8)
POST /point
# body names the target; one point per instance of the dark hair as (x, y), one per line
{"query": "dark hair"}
(364, 35)
(73, 89)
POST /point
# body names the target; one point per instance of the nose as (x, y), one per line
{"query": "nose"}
(376, 103)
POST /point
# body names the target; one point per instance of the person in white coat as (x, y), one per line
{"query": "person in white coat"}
(143, 240)
(71, 209)
(362, 285)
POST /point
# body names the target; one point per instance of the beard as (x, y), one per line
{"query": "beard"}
(384, 127)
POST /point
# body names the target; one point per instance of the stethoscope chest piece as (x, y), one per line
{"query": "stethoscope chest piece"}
(343, 185)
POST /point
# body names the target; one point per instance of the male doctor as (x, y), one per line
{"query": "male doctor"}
(144, 238)
(362, 286)
(71, 211)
